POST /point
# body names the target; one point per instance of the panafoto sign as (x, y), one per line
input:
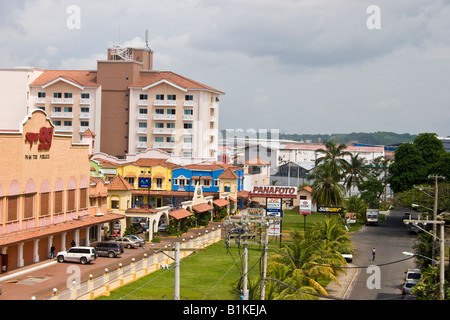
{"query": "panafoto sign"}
(273, 191)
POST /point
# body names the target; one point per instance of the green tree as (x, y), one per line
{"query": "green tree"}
(408, 168)
(334, 157)
(371, 190)
(326, 189)
(356, 173)
(430, 147)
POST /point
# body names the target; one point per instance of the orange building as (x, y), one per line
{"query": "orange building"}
(44, 193)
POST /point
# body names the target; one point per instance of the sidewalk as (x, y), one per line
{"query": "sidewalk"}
(346, 279)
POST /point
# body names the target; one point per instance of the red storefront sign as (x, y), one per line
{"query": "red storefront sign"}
(44, 137)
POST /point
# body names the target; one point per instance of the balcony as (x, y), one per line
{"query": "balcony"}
(141, 145)
(142, 131)
(83, 129)
(142, 116)
(40, 101)
(188, 103)
(188, 132)
(168, 117)
(164, 145)
(142, 102)
(188, 146)
(65, 115)
(85, 115)
(214, 105)
(64, 129)
(188, 117)
(85, 101)
(212, 119)
(62, 100)
(164, 131)
(159, 103)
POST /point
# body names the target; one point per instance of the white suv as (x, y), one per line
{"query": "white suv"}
(77, 254)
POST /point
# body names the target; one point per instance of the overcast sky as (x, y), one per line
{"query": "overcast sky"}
(300, 66)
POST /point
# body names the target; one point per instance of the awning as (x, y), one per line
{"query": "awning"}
(202, 207)
(221, 202)
(35, 233)
(180, 214)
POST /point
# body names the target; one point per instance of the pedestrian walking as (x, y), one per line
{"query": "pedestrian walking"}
(373, 254)
(73, 243)
(52, 252)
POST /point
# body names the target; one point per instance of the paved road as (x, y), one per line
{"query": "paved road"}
(390, 239)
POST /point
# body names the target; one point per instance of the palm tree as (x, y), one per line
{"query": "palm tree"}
(326, 189)
(334, 155)
(356, 172)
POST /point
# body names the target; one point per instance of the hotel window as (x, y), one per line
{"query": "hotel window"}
(189, 97)
(67, 95)
(56, 109)
(68, 109)
(58, 202)
(83, 199)
(170, 125)
(85, 96)
(142, 111)
(142, 124)
(57, 95)
(84, 123)
(159, 139)
(159, 111)
(84, 110)
(71, 200)
(12, 208)
(188, 112)
(171, 97)
(170, 139)
(159, 125)
(187, 154)
(41, 94)
(41, 108)
(170, 111)
(142, 139)
(67, 123)
(45, 200)
(28, 208)
(187, 125)
(57, 123)
(143, 97)
(159, 97)
(187, 139)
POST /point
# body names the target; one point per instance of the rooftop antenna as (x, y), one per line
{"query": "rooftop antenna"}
(146, 39)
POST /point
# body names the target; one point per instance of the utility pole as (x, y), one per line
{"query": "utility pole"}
(442, 249)
(264, 259)
(435, 209)
(176, 290)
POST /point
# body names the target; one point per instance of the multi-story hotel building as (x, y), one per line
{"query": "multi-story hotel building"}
(129, 106)
(72, 98)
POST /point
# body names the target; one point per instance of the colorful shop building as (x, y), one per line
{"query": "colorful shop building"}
(46, 193)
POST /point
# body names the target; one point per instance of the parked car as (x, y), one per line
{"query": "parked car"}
(77, 254)
(136, 238)
(109, 249)
(408, 286)
(406, 216)
(162, 227)
(413, 275)
(128, 243)
(348, 257)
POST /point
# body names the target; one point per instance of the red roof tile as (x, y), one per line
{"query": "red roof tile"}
(180, 214)
(80, 77)
(119, 183)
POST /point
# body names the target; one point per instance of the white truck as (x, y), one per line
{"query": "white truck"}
(372, 216)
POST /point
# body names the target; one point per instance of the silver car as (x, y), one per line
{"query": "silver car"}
(77, 254)
(128, 243)
(136, 238)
